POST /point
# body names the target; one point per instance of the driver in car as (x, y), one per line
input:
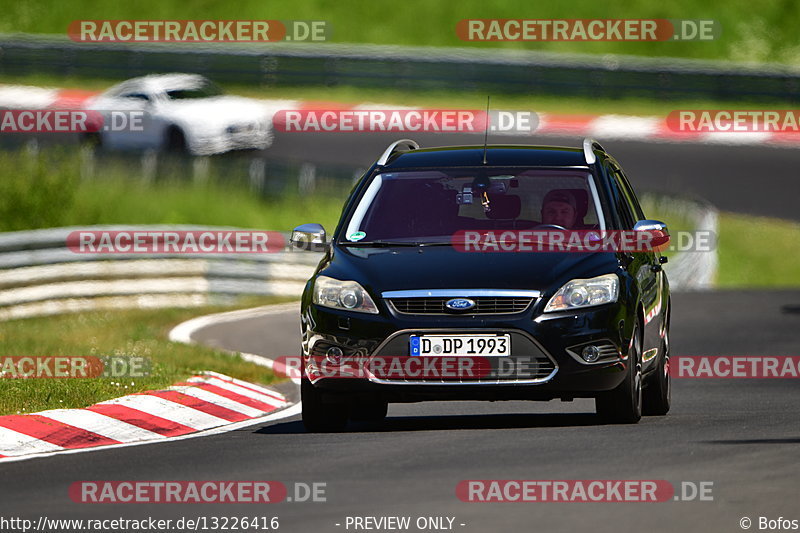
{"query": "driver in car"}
(559, 208)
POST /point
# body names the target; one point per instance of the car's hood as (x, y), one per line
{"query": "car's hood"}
(443, 267)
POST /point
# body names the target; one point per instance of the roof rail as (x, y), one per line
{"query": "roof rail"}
(397, 146)
(588, 150)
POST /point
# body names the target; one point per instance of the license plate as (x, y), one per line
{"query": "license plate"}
(490, 345)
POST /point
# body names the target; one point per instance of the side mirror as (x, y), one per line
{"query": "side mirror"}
(309, 237)
(658, 231)
(651, 225)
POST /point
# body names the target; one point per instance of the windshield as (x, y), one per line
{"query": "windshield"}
(431, 206)
(205, 89)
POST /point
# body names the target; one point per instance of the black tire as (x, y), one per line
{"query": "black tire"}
(623, 405)
(319, 416)
(92, 140)
(369, 411)
(175, 141)
(658, 393)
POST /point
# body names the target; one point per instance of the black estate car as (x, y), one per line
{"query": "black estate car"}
(399, 310)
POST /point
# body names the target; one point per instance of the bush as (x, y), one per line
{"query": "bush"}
(37, 189)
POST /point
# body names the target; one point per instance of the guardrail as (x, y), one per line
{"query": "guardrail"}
(404, 67)
(39, 275)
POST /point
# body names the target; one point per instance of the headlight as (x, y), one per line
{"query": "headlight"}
(585, 293)
(348, 295)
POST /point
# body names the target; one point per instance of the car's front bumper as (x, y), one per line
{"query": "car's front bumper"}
(226, 141)
(548, 345)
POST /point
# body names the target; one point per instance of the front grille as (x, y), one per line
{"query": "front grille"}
(484, 305)
(476, 370)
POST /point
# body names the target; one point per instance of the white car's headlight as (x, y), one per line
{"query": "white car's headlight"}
(347, 295)
(585, 293)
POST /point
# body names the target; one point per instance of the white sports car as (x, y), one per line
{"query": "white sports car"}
(181, 112)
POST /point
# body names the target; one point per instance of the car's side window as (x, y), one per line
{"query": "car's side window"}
(136, 96)
(621, 205)
(631, 197)
(626, 204)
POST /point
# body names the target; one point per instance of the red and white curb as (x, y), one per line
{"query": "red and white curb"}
(609, 127)
(205, 404)
(30, 97)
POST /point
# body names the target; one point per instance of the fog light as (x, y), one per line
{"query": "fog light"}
(591, 354)
(334, 355)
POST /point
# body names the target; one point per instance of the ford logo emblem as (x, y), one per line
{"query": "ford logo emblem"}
(459, 304)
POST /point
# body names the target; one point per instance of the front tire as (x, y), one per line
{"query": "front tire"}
(658, 393)
(175, 141)
(623, 405)
(92, 140)
(319, 416)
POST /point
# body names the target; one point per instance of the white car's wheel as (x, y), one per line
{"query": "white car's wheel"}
(175, 141)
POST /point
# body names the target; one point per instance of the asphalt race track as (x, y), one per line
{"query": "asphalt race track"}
(742, 435)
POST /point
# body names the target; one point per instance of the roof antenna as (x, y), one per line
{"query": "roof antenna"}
(488, 124)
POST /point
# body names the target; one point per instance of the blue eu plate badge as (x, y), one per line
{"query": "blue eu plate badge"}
(414, 347)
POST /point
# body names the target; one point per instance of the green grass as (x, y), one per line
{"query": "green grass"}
(767, 33)
(49, 191)
(119, 202)
(136, 333)
(758, 252)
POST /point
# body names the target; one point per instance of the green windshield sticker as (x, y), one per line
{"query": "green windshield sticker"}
(357, 236)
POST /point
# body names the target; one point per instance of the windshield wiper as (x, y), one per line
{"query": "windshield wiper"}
(394, 243)
(378, 243)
